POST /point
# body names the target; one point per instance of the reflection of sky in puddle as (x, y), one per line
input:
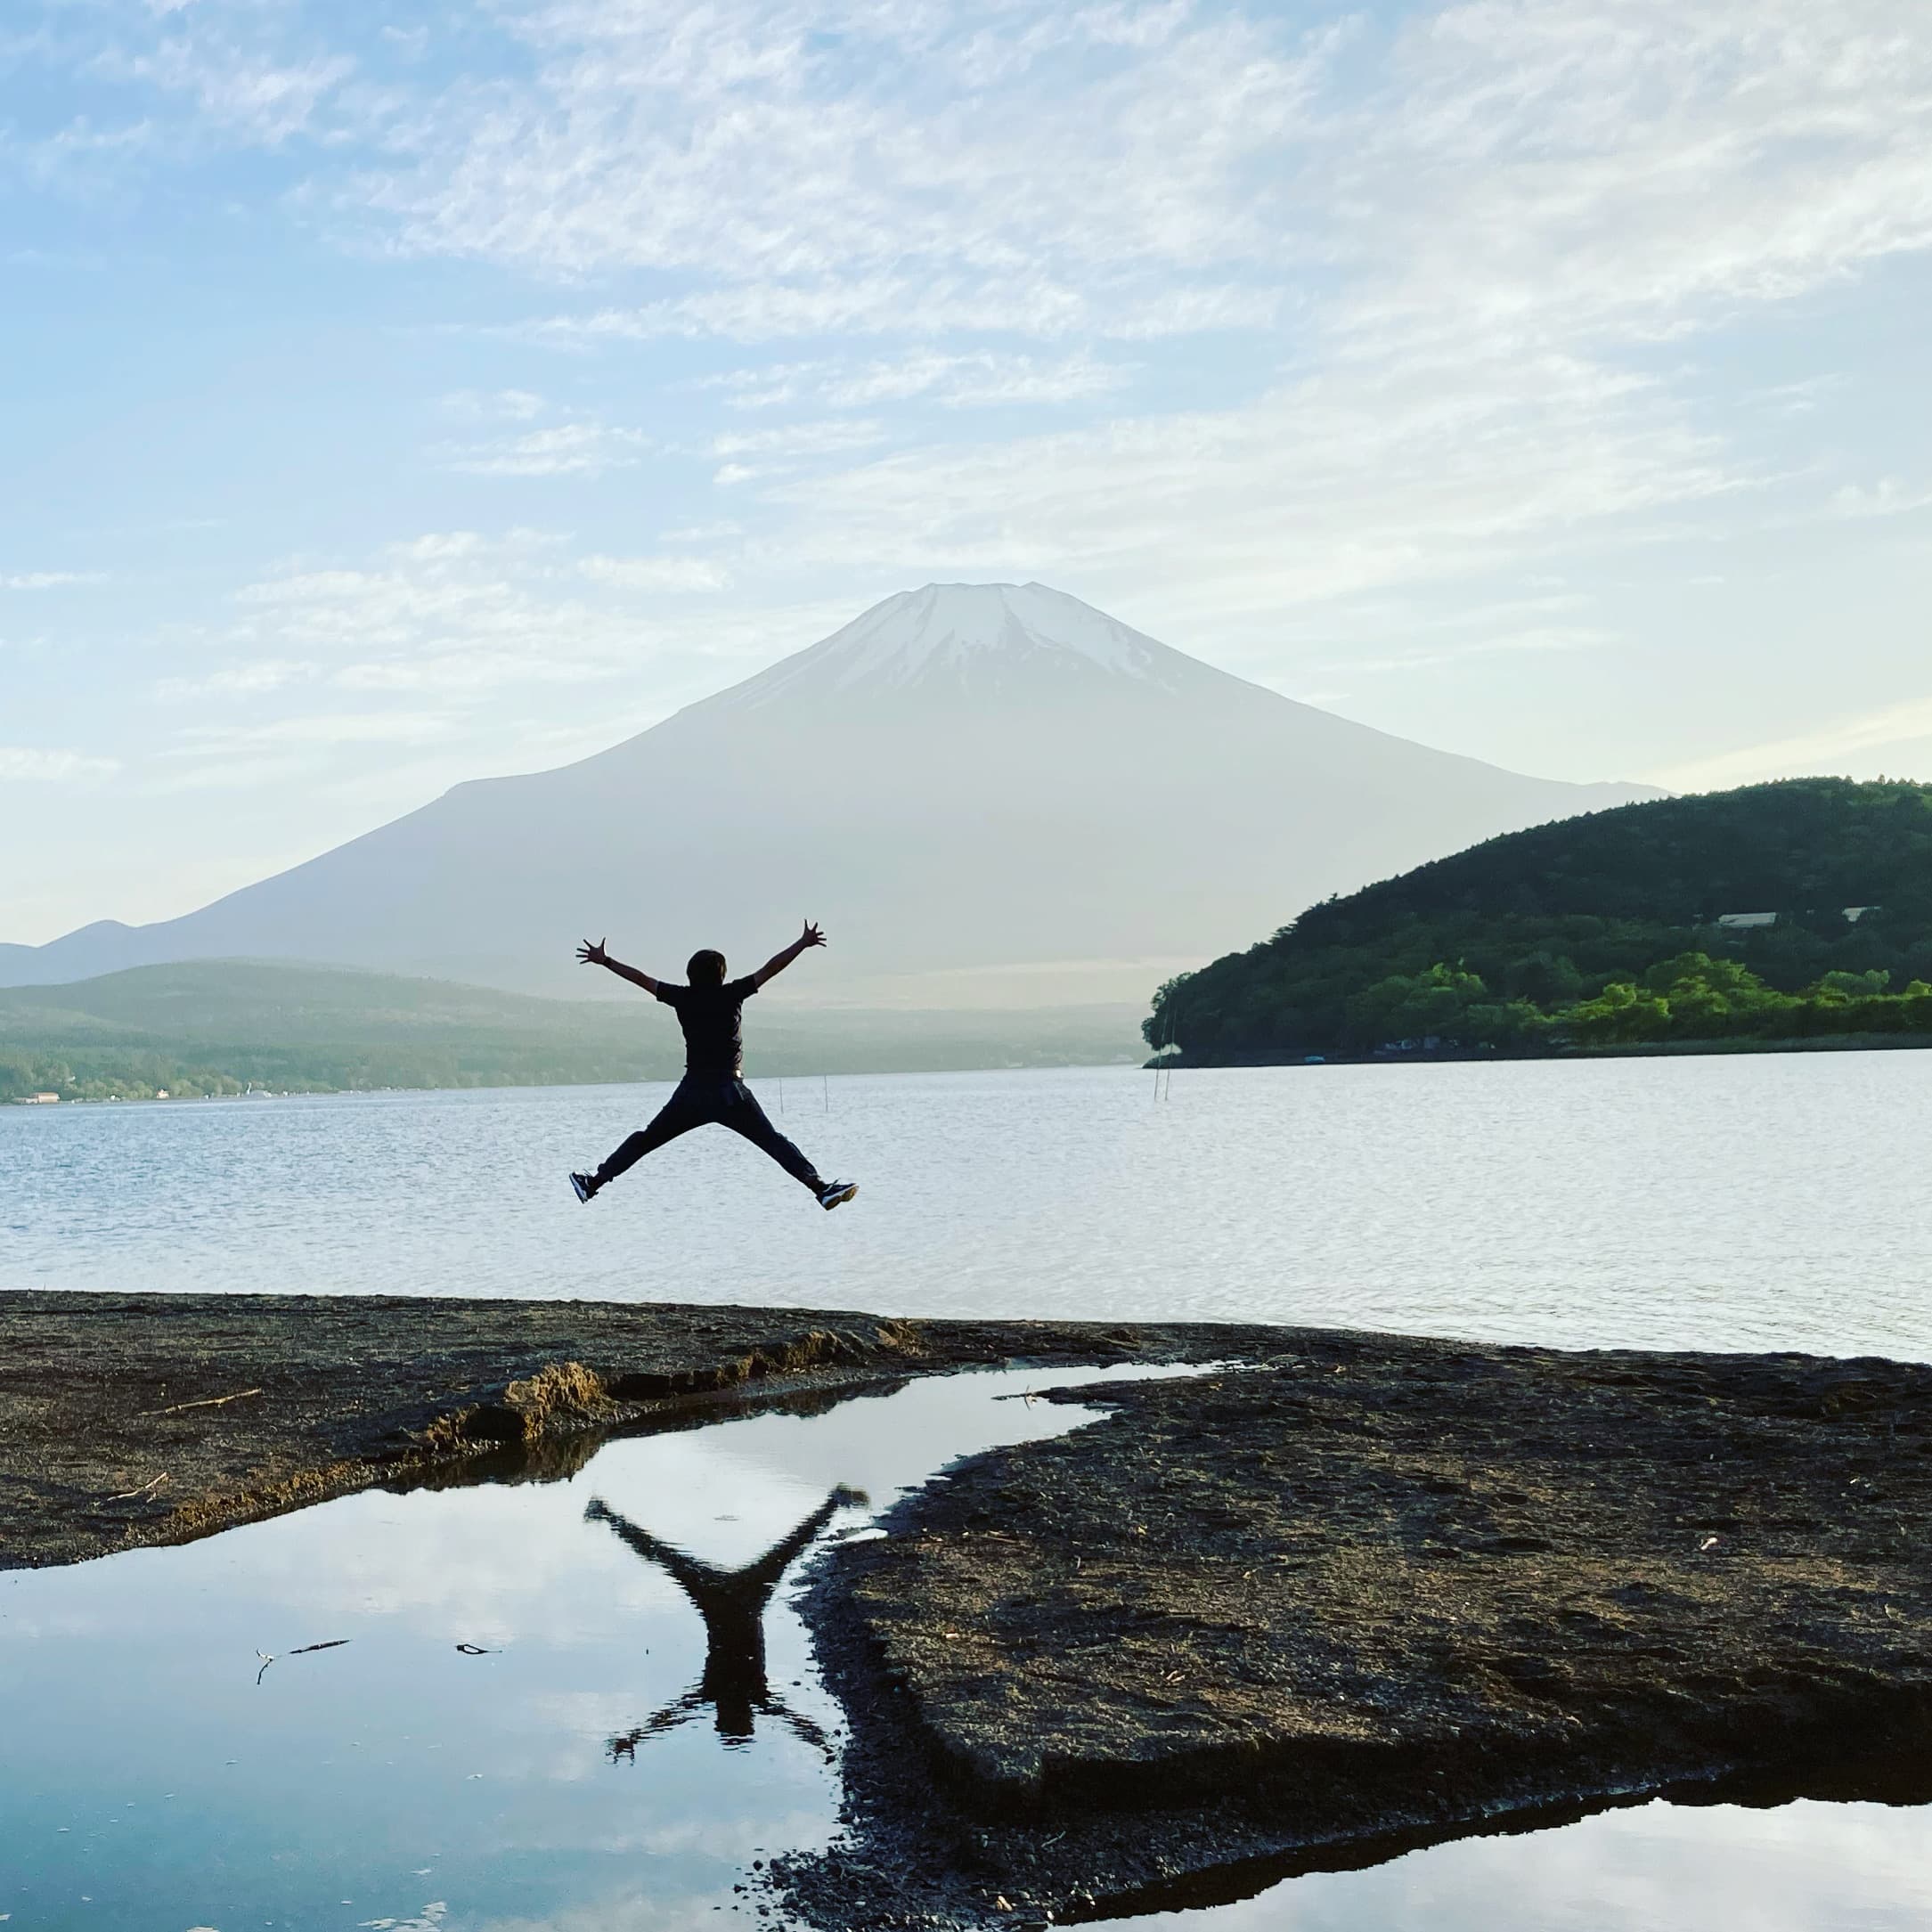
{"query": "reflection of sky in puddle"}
(147, 1781)
(1655, 1868)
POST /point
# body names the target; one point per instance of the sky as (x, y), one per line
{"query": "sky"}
(397, 396)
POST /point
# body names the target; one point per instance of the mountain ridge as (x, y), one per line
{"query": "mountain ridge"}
(995, 790)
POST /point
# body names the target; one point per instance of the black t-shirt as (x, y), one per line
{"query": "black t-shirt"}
(710, 1016)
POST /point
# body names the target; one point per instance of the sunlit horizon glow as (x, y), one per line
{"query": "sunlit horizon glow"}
(396, 399)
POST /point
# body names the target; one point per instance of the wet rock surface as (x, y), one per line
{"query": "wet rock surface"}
(1375, 1593)
(128, 1419)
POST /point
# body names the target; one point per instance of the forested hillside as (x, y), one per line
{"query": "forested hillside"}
(1614, 929)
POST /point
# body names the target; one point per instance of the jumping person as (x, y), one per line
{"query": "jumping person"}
(711, 1010)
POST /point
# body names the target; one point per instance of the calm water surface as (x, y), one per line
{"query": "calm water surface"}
(1774, 1200)
(584, 1705)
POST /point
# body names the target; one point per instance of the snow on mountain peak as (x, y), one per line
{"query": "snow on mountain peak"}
(949, 623)
(966, 632)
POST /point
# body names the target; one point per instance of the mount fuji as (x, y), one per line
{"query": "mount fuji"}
(989, 794)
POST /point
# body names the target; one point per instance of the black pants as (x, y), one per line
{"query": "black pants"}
(704, 1100)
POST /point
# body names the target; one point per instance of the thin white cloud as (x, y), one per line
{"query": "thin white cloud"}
(511, 603)
(251, 679)
(312, 729)
(236, 91)
(1036, 304)
(33, 764)
(980, 379)
(1888, 497)
(467, 615)
(1522, 170)
(801, 439)
(716, 532)
(468, 674)
(1536, 639)
(255, 99)
(574, 449)
(655, 573)
(47, 580)
(1570, 169)
(493, 405)
(734, 152)
(1373, 478)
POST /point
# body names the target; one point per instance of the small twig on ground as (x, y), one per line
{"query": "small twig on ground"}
(207, 1402)
(144, 1491)
(334, 1643)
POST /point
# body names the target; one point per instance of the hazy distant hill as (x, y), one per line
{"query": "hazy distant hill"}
(990, 793)
(221, 1025)
(1784, 912)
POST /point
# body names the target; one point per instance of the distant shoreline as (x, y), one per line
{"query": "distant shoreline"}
(669, 1078)
(1661, 1049)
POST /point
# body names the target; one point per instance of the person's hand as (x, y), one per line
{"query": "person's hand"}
(810, 936)
(592, 953)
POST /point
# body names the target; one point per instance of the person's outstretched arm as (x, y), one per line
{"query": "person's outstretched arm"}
(779, 961)
(690, 1575)
(592, 953)
(783, 1553)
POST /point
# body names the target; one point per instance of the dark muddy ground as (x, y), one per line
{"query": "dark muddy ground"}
(1378, 1594)
(138, 1419)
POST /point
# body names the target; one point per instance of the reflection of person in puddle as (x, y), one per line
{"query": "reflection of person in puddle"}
(732, 1603)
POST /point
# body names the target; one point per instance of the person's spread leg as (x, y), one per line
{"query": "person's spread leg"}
(744, 1116)
(679, 1116)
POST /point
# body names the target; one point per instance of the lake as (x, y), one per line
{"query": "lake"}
(1771, 1200)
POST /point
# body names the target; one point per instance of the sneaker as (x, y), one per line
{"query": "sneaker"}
(582, 1186)
(836, 1194)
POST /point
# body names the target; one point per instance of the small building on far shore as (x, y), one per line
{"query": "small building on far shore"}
(37, 1100)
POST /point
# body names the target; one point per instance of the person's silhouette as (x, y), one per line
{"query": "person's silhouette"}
(732, 1604)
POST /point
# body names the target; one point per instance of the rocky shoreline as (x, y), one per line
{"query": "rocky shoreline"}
(130, 1420)
(1351, 1593)
(1377, 1593)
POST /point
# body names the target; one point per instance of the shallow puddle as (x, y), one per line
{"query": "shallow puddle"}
(1800, 1867)
(586, 1703)
(581, 1702)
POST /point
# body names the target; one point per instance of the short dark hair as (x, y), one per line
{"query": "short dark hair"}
(706, 969)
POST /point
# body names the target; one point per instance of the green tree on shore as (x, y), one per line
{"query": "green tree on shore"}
(1615, 929)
